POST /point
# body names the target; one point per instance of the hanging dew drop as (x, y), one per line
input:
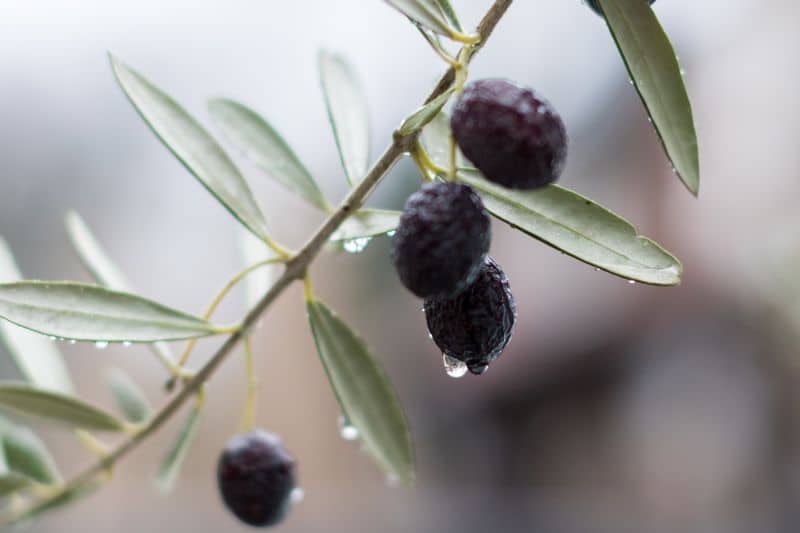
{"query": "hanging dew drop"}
(631, 282)
(453, 367)
(478, 370)
(101, 345)
(349, 433)
(391, 233)
(355, 246)
(297, 495)
(347, 430)
(73, 341)
(52, 339)
(127, 344)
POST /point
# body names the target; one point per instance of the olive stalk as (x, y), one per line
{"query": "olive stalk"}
(296, 268)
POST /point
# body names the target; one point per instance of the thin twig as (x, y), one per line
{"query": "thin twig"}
(295, 270)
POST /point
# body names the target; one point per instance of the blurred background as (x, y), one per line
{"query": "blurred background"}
(615, 407)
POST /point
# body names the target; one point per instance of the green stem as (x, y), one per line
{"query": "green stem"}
(218, 299)
(296, 268)
(437, 47)
(425, 164)
(249, 413)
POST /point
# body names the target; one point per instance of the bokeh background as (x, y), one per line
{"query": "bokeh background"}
(615, 408)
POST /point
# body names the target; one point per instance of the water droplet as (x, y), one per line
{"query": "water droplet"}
(391, 233)
(631, 282)
(347, 430)
(355, 246)
(73, 341)
(596, 269)
(454, 367)
(101, 345)
(52, 339)
(297, 495)
(478, 369)
(430, 335)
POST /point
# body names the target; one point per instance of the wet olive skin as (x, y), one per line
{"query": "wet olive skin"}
(513, 135)
(476, 325)
(443, 236)
(256, 476)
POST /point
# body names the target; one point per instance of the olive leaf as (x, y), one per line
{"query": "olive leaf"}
(264, 146)
(427, 13)
(103, 270)
(92, 255)
(367, 223)
(446, 7)
(435, 137)
(11, 483)
(656, 74)
(90, 313)
(37, 358)
(579, 227)
(363, 391)
(130, 399)
(66, 497)
(348, 114)
(193, 146)
(26, 455)
(171, 465)
(422, 116)
(24, 399)
(259, 281)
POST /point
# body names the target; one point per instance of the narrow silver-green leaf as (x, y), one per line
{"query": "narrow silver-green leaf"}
(193, 146)
(435, 138)
(422, 116)
(264, 146)
(259, 281)
(367, 223)
(426, 13)
(103, 269)
(348, 114)
(37, 358)
(90, 313)
(363, 391)
(450, 13)
(654, 69)
(11, 483)
(92, 255)
(65, 498)
(170, 467)
(26, 454)
(130, 399)
(581, 228)
(56, 407)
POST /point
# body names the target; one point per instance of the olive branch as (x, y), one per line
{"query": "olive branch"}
(110, 312)
(296, 268)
